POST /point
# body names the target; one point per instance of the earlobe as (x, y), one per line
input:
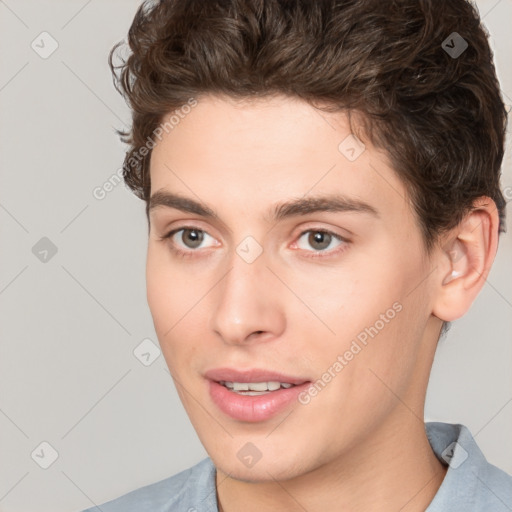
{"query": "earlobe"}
(465, 260)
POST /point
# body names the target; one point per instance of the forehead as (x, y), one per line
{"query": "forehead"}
(241, 156)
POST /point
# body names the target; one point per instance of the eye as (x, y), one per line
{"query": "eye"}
(320, 240)
(190, 238)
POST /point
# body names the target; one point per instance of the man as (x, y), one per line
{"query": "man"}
(322, 190)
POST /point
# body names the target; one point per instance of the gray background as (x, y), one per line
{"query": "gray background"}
(70, 324)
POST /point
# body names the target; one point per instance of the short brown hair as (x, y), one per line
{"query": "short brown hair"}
(439, 116)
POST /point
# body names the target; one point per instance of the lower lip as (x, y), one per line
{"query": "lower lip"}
(253, 408)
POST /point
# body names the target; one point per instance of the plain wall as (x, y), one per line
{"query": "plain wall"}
(68, 375)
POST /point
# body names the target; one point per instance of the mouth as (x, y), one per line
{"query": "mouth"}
(255, 388)
(253, 395)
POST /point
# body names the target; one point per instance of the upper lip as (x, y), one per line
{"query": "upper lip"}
(251, 375)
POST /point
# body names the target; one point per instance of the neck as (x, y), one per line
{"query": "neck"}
(395, 469)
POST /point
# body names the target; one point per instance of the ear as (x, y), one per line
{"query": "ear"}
(465, 259)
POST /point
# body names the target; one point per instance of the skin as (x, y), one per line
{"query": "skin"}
(360, 444)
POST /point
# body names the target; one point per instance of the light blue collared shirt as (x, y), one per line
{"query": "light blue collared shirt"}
(471, 484)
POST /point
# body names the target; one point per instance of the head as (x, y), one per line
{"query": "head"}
(261, 129)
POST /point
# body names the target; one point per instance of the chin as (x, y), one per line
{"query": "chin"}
(267, 469)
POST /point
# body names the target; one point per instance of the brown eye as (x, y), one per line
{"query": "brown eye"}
(192, 238)
(188, 240)
(319, 240)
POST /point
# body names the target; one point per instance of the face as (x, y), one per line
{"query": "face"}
(276, 286)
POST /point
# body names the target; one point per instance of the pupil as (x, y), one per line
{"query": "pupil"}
(317, 237)
(196, 237)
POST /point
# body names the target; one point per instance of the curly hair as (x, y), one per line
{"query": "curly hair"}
(420, 72)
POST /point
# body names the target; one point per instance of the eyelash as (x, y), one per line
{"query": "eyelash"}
(316, 254)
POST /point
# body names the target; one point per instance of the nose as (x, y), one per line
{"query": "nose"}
(247, 307)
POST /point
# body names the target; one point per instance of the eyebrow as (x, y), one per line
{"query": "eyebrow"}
(294, 207)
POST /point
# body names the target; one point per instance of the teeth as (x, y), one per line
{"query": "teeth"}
(255, 386)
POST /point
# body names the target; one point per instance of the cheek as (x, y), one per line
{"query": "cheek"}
(158, 289)
(371, 310)
(353, 299)
(178, 301)
(168, 287)
(169, 298)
